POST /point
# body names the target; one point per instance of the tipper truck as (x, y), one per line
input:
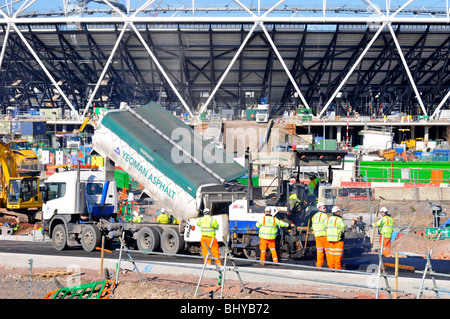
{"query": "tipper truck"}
(184, 173)
(173, 163)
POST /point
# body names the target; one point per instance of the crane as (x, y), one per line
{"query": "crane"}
(79, 6)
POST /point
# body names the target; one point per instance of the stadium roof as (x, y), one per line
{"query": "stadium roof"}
(322, 56)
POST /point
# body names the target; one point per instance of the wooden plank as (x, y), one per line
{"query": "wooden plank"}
(400, 266)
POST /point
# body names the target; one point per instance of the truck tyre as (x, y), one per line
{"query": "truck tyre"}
(171, 241)
(90, 238)
(59, 237)
(148, 240)
(159, 230)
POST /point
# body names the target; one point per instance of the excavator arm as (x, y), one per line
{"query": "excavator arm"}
(9, 169)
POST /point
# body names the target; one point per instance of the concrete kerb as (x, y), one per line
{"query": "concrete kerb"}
(31, 237)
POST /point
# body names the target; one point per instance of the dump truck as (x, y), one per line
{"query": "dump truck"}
(175, 166)
(178, 169)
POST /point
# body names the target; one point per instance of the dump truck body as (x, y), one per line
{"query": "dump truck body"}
(173, 163)
(175, 166)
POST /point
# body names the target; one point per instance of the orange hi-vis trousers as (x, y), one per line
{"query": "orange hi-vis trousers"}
(386, 246)
(263, 244)
(321, 244)
(206, 242)
(335, 252)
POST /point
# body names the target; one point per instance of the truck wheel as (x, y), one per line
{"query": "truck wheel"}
(59, 237)
(159, 230)
(250, 254)
(148, 240)
(171, 241)
(90, 238)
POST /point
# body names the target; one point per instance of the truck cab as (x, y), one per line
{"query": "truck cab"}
(262, 113)
(75, 200)
(61, 190)
(73, 141)
(23, 193)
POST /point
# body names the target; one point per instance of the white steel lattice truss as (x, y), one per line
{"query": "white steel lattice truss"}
(381, 21)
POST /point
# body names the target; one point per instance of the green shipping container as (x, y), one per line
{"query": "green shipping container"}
(250, 115)
(97, 110)
(405, 172)
(328, 145)
(122, 179)
(243, 181)
(304, 111)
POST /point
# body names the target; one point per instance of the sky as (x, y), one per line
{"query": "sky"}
(58, 5)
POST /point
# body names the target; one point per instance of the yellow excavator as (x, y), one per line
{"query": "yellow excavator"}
(19, 190)
(22, 152)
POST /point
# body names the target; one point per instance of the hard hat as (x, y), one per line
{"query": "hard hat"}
(335, 209)
(206, 211)
(320, 204)
(163, 210)
(267, 210)
(135, 214)
(383, 210)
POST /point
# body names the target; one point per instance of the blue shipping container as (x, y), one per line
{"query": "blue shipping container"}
(29, 128)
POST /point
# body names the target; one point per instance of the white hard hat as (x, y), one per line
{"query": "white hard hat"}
(320, 204)
(268, 209)
(383, 209)
(335, 209)
(163, 210)
(206, 211)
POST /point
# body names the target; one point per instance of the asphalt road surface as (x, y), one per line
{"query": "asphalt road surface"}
(358, 263)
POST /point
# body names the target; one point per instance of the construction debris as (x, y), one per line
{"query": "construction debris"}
(55, 273)
(93, 290)
(417, 242)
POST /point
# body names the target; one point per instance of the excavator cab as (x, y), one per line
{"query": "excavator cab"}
(23, 193)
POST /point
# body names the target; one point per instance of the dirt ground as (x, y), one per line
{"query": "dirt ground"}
(410, 215)
(415, 216)
(15, 284)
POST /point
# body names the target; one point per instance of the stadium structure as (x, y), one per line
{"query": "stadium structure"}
(368, 57)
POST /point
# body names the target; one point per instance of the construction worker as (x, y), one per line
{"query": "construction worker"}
(313, 187)
(385, 228)
(173, 220)
(293, 201)
(163, 218)
(320, 232)
(268, 228)
(209, 226)
(136, 217)
(335, 239)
